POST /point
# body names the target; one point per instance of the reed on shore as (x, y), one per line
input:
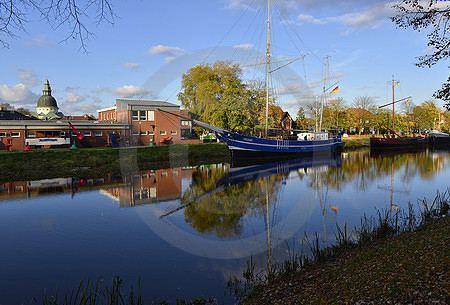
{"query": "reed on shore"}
(394, 257)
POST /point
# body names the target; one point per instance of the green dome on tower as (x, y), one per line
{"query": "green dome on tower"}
(47, 100)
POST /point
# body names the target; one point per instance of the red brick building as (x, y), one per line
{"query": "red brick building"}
(148, 124)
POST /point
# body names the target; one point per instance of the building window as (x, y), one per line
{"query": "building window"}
(151, 115)
(62, 134)
(173, 132)
(135, 115)
(162, 132)
(143, 115)
(15, 134)
(31, 134)
(143, 133)
(135, 132)
(98, 133)
(2, 134)
(151, 133)
(186, 123)
(74, 134)
(86, 133)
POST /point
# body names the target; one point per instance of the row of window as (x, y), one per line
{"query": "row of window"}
(140, 115)
(32, 134)
(108, 116)
(151, 133)
(13, 134)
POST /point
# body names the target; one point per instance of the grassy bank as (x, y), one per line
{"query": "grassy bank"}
(403, 259)
(355, 143)
(43, 164)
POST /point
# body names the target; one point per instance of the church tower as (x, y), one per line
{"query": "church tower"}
(47, 108)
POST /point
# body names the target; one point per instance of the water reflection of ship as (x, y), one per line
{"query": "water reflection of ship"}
(391, 189)
(281, 222)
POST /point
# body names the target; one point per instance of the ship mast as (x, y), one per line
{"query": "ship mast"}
(267, 68)
(323, 93)
(393, 102)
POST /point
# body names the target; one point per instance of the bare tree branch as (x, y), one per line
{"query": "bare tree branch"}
(435, 16)
(77, 16)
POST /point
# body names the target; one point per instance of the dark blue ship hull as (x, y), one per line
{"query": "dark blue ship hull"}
(252, 147)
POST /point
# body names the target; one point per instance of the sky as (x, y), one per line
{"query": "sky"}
(152, 43)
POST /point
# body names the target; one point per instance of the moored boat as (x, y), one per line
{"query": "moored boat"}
(307, 144)
(397, 143)
(437, 138)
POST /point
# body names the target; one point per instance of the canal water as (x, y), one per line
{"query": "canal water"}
(184, 232)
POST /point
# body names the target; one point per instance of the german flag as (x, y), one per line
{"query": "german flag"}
(335, 90)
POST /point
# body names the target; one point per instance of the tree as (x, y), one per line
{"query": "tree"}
(300, 120)
(334, 115)
(362, 115)
(218, 95)
(434, 15)
(73, 14)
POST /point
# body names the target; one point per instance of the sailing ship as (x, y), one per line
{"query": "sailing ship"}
(304, 143)
(278, 147)
(396, 141)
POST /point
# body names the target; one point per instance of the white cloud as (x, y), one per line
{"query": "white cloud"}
(310, 19)
(166, 50)
(18, 95)
(131, 65)
(74, 98)
(243, 46)
(130, 91)
(27, 76)
(170, 52)
(370, 17)
(42, 41)
(170, 58)
(79, 109)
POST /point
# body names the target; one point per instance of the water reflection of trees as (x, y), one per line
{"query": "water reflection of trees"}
(221, 213)
(363, 168)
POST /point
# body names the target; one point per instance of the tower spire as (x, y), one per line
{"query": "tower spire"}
(47, 90)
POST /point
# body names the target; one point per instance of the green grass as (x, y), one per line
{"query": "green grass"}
(355, 143)
(397, 257)
(42, 164)
(100, 293)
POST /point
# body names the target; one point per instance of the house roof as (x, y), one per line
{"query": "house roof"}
(123, 104)
(11, 115)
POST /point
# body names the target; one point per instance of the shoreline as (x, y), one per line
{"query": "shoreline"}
(402, 259)
(58, 163)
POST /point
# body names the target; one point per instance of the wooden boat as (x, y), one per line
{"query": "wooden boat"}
(397, 143)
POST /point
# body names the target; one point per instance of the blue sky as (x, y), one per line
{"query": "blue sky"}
(153, 42)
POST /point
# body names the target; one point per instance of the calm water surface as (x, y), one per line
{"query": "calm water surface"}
(185, 231)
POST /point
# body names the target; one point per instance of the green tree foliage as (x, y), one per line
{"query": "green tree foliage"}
(434, 16)
(300, 120)
(335, 115)
(362, 116)
(218, 95)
